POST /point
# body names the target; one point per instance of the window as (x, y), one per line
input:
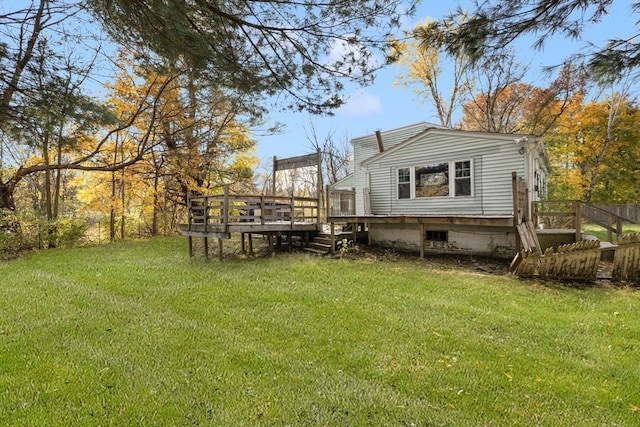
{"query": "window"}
(436, 236)
(432, 180)
(404, 183)
(435, 180)
(463, 178)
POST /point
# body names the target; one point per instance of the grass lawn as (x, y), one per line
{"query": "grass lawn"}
(601, 232)
(139, 334)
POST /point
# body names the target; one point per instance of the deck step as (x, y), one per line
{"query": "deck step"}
(316, 251)
(320, 245)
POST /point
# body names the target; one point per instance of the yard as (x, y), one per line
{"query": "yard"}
(139, 334)
(601, 234)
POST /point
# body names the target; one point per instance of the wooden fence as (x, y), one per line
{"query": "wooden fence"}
(578, 261)
(631, 213)
(581, 261)
(626, 264)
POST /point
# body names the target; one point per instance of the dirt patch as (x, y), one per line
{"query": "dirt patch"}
(442, 261)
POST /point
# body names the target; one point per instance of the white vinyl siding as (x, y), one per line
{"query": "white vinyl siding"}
(366, 147)
(491, 160)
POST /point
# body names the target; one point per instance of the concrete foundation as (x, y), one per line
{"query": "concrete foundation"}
(496, 242)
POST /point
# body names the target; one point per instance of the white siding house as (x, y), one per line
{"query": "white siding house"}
(449, 190)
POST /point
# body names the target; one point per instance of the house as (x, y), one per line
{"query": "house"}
(428, 188)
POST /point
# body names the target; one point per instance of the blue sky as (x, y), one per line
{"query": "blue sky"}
(383, 106)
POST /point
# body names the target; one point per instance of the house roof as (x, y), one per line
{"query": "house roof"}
(346, 182)
(532, 141)
(410, 129)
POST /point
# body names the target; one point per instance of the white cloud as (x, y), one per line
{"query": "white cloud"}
(350, 54)
(361, 103)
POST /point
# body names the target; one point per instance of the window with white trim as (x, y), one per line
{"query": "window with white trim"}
(462, 185)
(404, 183)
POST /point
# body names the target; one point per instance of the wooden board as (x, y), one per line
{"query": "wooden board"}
(528, 236)
(578, 261)
(296, 162)
(626, 262)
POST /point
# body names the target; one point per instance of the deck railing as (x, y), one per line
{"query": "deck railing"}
(572, 213)
(218, 211)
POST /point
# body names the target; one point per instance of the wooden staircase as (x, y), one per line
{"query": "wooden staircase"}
(320, 245)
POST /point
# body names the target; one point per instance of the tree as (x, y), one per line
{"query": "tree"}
(506, 104)
(335, 155)
(491, 90)
(22, 29)
(55, 116)
(424, 66)
(44, 110)
(88, 140)
(298, 52)
(199, 143)
(594, 151)
(494, 25)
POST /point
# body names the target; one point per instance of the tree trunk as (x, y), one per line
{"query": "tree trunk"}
(154, 222)
(6, 197)
(112, 212)
(47, 180)
(58, 178)
(122, 201)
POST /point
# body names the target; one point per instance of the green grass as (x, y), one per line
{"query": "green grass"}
(139, 334)
(601, 232)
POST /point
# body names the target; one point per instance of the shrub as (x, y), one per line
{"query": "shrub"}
(68, 232)
(22, 234)
(10, 240)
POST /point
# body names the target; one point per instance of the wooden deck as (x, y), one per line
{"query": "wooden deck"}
(218, 216)
(465, 220)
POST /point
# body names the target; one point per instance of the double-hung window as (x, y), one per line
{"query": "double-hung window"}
(404, 183)
(463, 178)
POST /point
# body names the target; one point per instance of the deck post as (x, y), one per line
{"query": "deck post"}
(423, 231)
(578, 219)
(319, 180)
(273, 182)
(220, 250)
(190, 239)
(292, 214)
(243, 244)
(327, 198)
(225, 207)
(250, 244)
(333, 238)
(618, 229)
(206, 248)
(270, 240)
(516, 209)
(354, 232)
